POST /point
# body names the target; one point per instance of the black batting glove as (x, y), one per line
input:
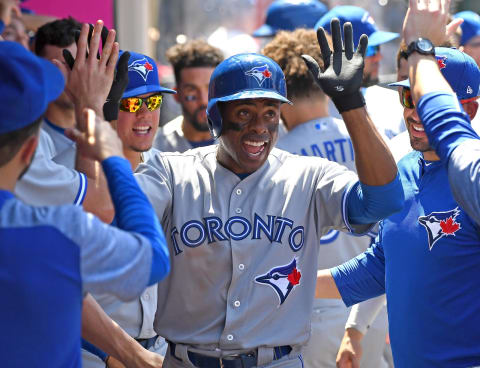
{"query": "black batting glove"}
(343, 74)
(120, 82)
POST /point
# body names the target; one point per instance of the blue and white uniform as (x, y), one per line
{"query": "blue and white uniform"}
(426, 260)
(51, 256)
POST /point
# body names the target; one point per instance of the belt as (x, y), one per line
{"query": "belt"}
(147, 343)
(245, 360)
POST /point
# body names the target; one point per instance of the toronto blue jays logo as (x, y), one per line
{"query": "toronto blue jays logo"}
(260, 73)
(282, 279)
(142, 67)
(439, 225)
(441, 61)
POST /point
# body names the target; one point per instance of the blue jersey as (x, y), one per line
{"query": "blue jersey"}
(51, 256)
(426, 258)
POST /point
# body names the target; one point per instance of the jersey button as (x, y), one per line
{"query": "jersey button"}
(239, 191)
(236, 303)
(238, 210)
(229, 337)
(241, 266)
(146, 296)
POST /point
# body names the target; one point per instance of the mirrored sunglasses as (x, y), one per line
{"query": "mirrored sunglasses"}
(133, 104)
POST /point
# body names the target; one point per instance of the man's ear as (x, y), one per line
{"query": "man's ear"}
(471, 108)
(28, 149)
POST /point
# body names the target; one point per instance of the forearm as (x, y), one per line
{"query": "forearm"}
(374, 161)
(425, 76)
(363, 314)
(100, 330)
(326, 287)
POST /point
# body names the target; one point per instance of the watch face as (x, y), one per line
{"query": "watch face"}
(424, 45)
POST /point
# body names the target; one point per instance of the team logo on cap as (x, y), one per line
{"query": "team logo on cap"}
(142, 67)
(469, 90)
(367, 18)
(260, 73)
(441, 61)
(439, 225)
(282, 279)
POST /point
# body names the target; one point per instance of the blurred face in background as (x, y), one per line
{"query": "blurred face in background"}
(192, 95)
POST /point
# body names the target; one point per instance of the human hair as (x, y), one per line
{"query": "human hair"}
(11, 142)
(194, 53)
(60, 33)
(286, 50)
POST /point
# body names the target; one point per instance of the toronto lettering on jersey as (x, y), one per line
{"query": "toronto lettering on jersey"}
(338, 150)
(211, 229)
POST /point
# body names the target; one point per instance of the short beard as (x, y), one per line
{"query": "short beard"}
(419, 145)
(192, 119)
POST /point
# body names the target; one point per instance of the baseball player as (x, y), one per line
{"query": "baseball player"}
(63, 246)
(136, 127)
(470, 39)
(426, 256)
(244, 218)
(193, 63)
(50, 40)
(313, 133)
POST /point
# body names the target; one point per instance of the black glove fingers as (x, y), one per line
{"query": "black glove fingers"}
(312, 66)
(362, 45)
(324, 47)
(67, 55)
(122, 67)
(336, 35)
(104, 36)
(348, 35)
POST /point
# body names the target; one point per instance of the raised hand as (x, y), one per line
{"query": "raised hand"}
(428, 19)
(342, 76)
(6, 8)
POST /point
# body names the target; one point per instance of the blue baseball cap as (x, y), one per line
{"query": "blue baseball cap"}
(460, 71)
(470, 26)
(143, 76)
(288, 15)
(28, 84)
(362, 23)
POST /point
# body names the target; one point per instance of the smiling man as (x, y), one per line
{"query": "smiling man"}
(244, 218)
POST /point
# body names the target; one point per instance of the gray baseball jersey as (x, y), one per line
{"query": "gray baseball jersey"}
(170, 138)
(244, 252)
(48, 183)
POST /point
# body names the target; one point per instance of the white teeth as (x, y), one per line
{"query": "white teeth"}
(417, 128)
(141, 128)
(255, 144)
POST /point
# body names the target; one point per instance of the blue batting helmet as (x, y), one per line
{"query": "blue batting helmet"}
(243, 76)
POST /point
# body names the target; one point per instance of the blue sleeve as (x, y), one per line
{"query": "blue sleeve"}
(363, 277)
(445, 122)
(94, 350)
(134, 213)
(367, 204)
(2, 26)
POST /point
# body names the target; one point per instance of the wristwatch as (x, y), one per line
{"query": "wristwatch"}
(421, 45)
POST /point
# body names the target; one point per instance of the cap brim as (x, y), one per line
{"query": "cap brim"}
(243, 95)
(264, 31)
(403, 83)
(379, 37)
(147, 89)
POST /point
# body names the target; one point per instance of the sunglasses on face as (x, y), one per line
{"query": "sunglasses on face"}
(133, 104)
(406, 98)
(372, 51)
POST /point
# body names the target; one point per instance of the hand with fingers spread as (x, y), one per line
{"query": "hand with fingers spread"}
(342, 77)
(98, 141)
(429, 19)
(90, 80)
